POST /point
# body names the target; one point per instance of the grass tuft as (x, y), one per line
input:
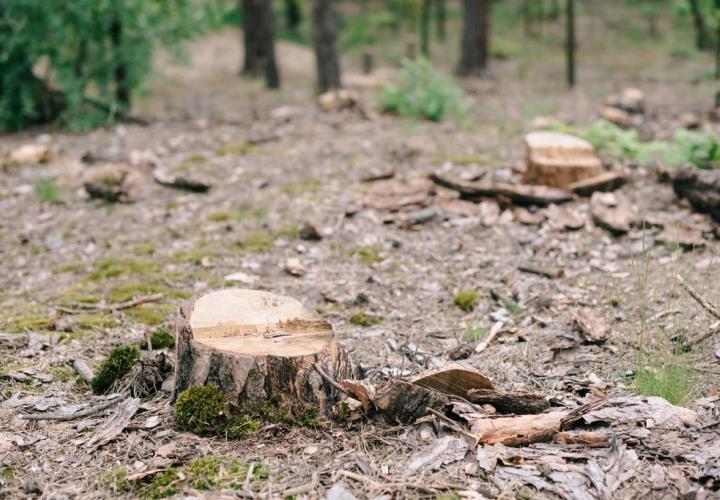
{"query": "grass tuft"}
(671, 381)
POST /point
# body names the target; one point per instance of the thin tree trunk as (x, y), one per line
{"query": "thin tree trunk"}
(440, 17)
(325, 42)
(425, 27)
(476, 35)
(717, 41)
(293, 14)
(259, 38)
(120, 72)
(570, 42)
(554, 10)
(701, 36)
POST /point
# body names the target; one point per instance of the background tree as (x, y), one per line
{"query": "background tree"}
(717, 40)
(425, 27)
(325, 45)
(440, 19)
(475, 44)
(259, 41)
(701, 34)
(570, 43)
(293, 14)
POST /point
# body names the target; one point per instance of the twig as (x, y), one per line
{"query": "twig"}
(454, 426)
(59, 416)
(329, 379)
(81, 308)
(547, 273)
(714, 330)
(711, 309)
(496, 328)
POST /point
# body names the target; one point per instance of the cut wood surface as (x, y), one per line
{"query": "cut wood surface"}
(453, 379)
(701, 188)
(559, 160)
(518, 430)
(256, 346)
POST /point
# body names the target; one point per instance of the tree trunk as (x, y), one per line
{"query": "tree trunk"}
(717, 42)
(257, 346)
(259, 40)
(476, 35)
(440, 17)
(701, 35)
(570, 42)
(425, 27)
(325, 43)
(120, 73)
(554, 13)
(293, 14)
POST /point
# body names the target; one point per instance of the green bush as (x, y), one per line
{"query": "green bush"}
(422, 93)
(118, 364)
(79, 61)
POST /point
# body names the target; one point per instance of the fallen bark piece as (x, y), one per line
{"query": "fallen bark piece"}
(509, 402)
(649, 411)
(401, 402)
(458, 207)
(616, 116)
(622, 464)
(550, 273)
(630, 99)
(309, 232)
(518, 430)
(394, 196)
(407, 220)
(559, 160)
(583, 437)
(606, 181)
(29, 154)
(341, 99)
(685, 236)
(453, 379)
(528, 218)
(108, 183)
(523, 195)
(593, 326)
(562, 218)
(257, 346)
(180, 181)
(442, 451)
(701, 188)
(612, 212)
(114, 424)
(83, 369)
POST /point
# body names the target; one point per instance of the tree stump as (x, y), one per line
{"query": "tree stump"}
(259, 347)
(559, 160)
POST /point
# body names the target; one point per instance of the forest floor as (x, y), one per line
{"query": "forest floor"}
(276, 163)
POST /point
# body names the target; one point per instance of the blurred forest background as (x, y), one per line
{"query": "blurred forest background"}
(86, 63)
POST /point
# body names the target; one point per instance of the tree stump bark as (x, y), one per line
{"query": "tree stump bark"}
(559, 160)
(259, 347)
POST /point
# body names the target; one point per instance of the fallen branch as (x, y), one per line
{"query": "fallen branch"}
(547, 273)
(59, 416)
(711, 309)
(119, 306)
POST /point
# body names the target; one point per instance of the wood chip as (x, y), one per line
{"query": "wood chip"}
(612, 212)
(114, 424)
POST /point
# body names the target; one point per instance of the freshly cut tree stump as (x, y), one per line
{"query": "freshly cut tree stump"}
(559, 160)
(259, 347)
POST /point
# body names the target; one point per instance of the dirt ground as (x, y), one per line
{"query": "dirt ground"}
(276, 162)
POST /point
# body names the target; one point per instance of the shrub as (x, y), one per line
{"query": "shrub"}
(118, 364)
(92, 54)
(422, 93)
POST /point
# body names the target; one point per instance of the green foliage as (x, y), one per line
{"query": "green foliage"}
(201, 409)
(162, 338)
(672, 381)
(686, 146)
(73, 60)
(474, 333)
(46, 190)
(422, 93)
(118, 364)
(466, 300)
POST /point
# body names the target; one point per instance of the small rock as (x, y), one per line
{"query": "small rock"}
(617, 116)
(29, 154)
(339, 492)
(309, 232)
(294, 267)
(241, 277)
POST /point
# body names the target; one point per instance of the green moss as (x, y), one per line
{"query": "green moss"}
(46, 190)
(256, 242)
(76, 295)
(362, 319)
(201, 409)
(113, 268)
(238, 149)
(248, 212)
(62, 373)
(128, 291)
(290, 231)
(146, 248)
(293, 189)
(162, 338)
(150, 314)
(466, 300)
(24, 323)
(369, 254)
(189, 256)
(118, 363)
(220, 216)
(92, 321)
(68, 268)
(206, 473)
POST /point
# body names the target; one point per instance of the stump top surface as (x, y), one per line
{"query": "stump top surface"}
(556, 140)
(255, 322)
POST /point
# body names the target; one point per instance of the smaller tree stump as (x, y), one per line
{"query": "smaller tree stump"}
(559, 160)
(259, 347)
